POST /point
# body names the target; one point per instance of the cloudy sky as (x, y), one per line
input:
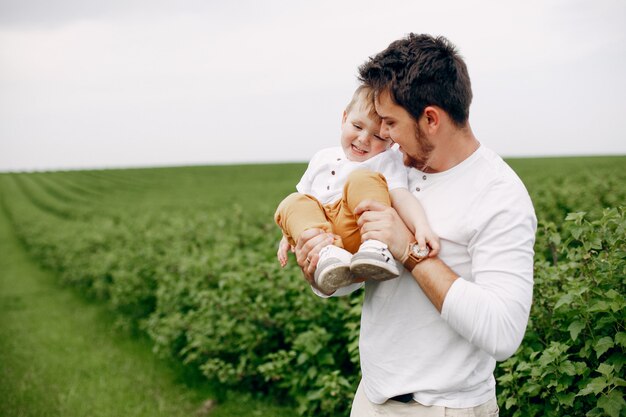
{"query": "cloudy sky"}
(143, 83)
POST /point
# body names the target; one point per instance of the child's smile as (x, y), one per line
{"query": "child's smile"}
(358, 151)
(360, 137)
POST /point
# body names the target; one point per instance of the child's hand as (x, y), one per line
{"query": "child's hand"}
(283, 248)
(425, 236)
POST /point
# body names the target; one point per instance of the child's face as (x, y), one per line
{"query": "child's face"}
(360, 137)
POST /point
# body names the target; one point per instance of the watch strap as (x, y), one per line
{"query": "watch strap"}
(411, 261)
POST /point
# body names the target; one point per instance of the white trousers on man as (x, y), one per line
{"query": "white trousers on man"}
(362, 407)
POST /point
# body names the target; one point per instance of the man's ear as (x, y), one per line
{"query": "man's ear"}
(431, 118)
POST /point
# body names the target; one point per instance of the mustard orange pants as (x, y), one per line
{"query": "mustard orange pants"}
(300, 212)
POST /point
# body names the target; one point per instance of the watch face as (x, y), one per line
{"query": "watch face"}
(420, 253)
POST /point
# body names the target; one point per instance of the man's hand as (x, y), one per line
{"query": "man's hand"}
(307, 251)
(383, 223)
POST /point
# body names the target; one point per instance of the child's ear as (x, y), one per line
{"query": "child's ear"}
(344, 117)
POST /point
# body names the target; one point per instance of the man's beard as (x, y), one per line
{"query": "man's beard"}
(425, 149)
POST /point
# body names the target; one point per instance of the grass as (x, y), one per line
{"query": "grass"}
(60, 355)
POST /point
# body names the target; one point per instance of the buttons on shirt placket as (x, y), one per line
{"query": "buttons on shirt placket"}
(333, 172)
(418, 188)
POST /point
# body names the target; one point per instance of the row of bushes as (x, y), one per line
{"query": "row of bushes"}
(205, 286)
(207, 289)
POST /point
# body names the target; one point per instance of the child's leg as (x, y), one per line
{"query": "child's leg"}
(300, 212)
(372, 259)
(361, 185)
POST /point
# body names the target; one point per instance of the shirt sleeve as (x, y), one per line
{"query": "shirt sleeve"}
(305, 185)
(392, 167)
(491, 310)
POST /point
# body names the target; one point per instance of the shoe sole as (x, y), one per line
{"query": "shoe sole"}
(332, 278)
(372, 269)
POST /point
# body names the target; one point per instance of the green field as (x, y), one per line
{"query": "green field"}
(182, 261)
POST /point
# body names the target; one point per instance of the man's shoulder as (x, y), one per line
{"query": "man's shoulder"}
(498, 185)
(492, 171)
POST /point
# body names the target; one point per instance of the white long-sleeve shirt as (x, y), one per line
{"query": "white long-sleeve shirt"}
(486, 222)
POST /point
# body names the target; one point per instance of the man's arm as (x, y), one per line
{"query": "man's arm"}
(491, 309)
(383, 223)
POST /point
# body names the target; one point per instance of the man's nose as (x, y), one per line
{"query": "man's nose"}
(384, 130)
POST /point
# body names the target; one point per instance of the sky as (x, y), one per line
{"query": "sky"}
(133, 83)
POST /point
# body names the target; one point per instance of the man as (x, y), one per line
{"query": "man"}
(430, 339)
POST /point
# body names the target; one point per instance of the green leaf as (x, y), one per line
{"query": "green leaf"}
(555, 238)
(575, 328)
(620, 338)
(595, 412)
(531, 388)
(302, 358)
(566, 398)
(613, 295)
(567, 367)
(596, 386)
(576, 217)
(564, 300)
(612, 403)
(581, 368)
(510, 402)
(506, 378)
(617, 305)
(595, 243)
(605, 369)
(599, 306)
(524, 366)
(554, 351)
(603, 345)
(604, 322)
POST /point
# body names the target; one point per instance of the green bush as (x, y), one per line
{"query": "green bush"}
(571, 361)
(188, 256)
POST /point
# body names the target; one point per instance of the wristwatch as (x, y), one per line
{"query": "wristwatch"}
(415, 256)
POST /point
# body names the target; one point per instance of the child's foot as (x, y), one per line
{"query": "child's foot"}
(333, 269)
(374, 261)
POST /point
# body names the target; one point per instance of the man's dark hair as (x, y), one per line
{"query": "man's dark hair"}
(419, 71)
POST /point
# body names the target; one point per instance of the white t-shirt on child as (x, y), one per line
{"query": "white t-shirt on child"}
(329, 169)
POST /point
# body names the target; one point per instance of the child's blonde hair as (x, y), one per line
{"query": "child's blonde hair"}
(364, 97)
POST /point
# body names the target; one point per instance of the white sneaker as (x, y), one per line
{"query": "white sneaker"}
(333, 269)
(374, 261)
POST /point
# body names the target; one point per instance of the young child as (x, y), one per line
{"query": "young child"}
(335, 182)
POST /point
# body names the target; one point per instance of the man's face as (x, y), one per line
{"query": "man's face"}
(399, 126)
